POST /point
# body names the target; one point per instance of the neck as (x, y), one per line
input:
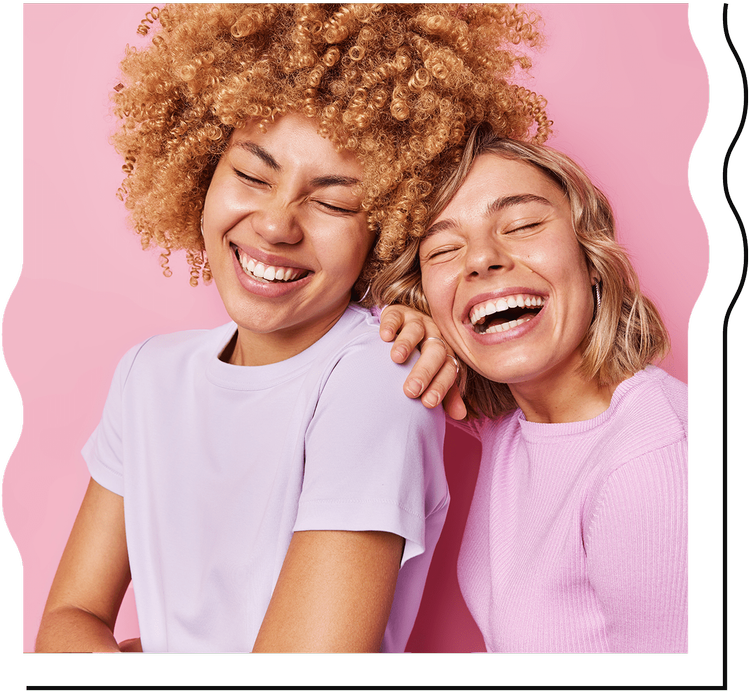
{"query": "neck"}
(252, 349)
(568, 397)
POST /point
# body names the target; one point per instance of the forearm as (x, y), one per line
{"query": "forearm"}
(91, 579)
(73, 630)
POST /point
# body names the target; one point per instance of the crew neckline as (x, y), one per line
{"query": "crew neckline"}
(258, 377)
(557, 429)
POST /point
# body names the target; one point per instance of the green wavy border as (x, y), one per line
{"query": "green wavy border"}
(703, 668)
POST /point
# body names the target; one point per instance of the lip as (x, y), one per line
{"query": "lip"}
(266, 258)
(495, 295)
(262, 288)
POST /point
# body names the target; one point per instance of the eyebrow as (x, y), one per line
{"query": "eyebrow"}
(260, 152)
(493, 207)
(515, 200)
(334, 180)
(271, 162)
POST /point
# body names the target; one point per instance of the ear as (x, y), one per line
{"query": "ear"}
(594, 275)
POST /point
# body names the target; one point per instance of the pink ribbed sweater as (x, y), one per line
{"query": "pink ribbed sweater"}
(576, 539)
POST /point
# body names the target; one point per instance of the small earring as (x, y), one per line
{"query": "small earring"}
(201, 224)
(598, 294)
(365, 295)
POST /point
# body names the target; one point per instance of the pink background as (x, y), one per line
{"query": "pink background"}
(628, 94)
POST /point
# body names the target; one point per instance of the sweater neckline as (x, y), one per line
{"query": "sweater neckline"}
(543, 430)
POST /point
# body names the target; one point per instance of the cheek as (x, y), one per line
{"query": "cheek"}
(581, 298)
(367, 241)
(563, 265)
(215, 192)
(439, 288)
(224, 205)
(345, 259)
(214, 208)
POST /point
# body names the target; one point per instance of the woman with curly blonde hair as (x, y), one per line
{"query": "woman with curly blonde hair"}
(282, 147)
(576, 539)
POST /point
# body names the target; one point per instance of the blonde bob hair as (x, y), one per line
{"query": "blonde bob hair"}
(400, 85)
(626, 332)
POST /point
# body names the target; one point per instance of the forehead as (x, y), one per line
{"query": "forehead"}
(294, 137)
(493, 178)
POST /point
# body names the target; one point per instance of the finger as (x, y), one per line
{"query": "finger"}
(391, 320)
(411, 335)
(429, 365)
(436, 391)
(454, 405)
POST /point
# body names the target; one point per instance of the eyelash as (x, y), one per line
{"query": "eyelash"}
(524, 227)
(337, 209)
(439, 252)
(249, 178)
(527, 226)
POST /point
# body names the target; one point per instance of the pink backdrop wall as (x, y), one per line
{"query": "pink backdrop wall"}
(628, 94)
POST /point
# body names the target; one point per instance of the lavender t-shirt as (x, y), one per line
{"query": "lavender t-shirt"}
(219, 464)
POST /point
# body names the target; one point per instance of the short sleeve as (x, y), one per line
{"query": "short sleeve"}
(636, 549)
(103, 452)
(373, 457)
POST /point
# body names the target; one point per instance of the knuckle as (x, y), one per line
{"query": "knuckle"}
(423, 372)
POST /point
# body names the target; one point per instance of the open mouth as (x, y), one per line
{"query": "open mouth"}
(268, 273)
(506, 313)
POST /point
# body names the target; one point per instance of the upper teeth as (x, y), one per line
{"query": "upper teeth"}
(483, 309)
(267, 272)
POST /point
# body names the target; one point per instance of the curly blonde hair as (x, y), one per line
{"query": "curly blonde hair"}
(627, 332)
(399, 85)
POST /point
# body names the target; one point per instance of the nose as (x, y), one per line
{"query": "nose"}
(485, 255)
(277, 222)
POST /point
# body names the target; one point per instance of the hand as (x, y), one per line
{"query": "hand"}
(433, 376)
(131, 645)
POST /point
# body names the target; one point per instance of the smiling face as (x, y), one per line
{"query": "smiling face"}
(285, 236)
(504, 275)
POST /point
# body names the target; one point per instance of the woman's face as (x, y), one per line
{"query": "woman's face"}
(504, 275)
(284, 233)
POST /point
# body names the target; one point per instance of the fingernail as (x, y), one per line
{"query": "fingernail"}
(401, 353)
(432, 399)
(414, 387)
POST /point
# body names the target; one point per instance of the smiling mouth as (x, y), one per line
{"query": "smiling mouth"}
(506, 313)
(268, 273)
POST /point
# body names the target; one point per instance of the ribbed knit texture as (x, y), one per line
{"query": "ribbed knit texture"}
(576, 539)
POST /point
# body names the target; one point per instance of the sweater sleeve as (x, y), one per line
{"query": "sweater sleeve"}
(636, 549)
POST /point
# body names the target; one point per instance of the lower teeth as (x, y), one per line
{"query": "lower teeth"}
(505, 326)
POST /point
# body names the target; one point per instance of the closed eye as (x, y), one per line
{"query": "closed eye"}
(337, 209)
(443, 252)
(522, 228)
(249, 178)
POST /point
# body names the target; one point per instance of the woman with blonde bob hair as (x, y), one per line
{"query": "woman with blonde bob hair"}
(577, 535)
(267, 506)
